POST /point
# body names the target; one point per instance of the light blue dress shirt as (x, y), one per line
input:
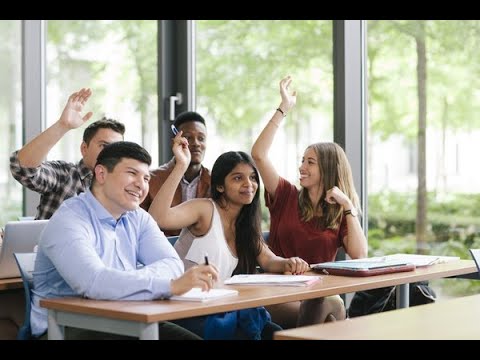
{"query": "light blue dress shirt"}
(85, 252)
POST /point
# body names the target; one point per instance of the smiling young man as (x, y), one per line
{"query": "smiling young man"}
(92, 244)
(57, 181)
(196, 180)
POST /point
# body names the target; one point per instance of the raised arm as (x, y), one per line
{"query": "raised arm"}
(264, 141)
(187, 213)
(33, 153)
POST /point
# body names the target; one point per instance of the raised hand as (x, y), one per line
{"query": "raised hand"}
(71, 117)
(180, 150)
(288, 99)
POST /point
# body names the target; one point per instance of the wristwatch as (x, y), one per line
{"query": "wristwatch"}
(352, 212)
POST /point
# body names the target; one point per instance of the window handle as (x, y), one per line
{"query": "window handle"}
(178, 98)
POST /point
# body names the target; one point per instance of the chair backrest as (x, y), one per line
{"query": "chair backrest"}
(26, 263)
(476, 256)
(266, 234)
(172, 239)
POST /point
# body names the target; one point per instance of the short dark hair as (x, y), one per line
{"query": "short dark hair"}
(113, 153)
(188, 116)
(103, 123)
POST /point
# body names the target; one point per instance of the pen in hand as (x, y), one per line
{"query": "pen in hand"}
(207, 263)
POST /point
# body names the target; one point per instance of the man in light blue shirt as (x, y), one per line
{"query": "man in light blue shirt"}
(93, 243)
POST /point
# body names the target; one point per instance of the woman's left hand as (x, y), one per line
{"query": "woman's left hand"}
(336, 196)
(296, 266)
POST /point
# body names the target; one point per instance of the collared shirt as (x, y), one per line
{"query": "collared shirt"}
(55, 181)
(85, 252)
(160, 175)
(189, 189)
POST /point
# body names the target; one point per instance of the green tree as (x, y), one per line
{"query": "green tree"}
(238, 62)
(446, 42)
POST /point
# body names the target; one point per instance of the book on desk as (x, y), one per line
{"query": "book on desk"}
(273, 280)
(381, 264)
(420, 260)
(362, 268)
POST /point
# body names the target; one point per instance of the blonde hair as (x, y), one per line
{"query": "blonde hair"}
(335, 170)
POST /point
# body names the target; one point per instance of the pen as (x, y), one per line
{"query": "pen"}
(174, 129)
(206, 259)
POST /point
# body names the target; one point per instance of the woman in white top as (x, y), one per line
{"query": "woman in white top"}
(227, 227)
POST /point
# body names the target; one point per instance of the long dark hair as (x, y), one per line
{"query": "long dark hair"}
(248, 233)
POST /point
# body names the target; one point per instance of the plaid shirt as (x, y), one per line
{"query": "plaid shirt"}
(55, 181)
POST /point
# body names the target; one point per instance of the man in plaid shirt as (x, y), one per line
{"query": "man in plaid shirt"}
(57, 181)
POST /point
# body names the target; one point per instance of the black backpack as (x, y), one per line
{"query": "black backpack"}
(384, 299)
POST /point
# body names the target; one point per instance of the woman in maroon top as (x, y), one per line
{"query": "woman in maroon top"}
(314, 222)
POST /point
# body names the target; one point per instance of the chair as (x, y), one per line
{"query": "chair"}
(25, 263)
(476, 256)
(172, 239)
(266, 235)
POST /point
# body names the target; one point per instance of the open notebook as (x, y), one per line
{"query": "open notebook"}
(196, 294)
(421, 260)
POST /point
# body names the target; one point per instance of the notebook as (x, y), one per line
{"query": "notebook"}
(272, 279)
(421, 260)
(196, 294)
(19, 237)
(362, 268)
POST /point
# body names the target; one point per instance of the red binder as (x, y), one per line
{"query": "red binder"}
(362, 268)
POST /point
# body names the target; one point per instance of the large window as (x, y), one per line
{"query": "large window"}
(118, 61)
(10, 116)
(239, 65)
(423, 105)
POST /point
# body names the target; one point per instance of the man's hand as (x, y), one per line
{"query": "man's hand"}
(180, 150)
(202, 276)
(71, 117)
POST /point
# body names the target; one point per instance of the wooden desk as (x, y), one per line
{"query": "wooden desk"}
(140, 318)
(9, 284)
(447, 320)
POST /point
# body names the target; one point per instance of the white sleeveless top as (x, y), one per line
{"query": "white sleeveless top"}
(192, 249)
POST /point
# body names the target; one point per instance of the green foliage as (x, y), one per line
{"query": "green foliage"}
(454, 228)
(450, 217)
(238, 62)
(451, 75)
(456, 287)
(10, 211)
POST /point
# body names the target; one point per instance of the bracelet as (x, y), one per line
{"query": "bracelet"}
(274, 123)
(282, 112)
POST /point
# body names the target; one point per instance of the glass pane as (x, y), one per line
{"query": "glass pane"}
(10, 116)
(239, 65)
(423, 191)
(118, 61)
